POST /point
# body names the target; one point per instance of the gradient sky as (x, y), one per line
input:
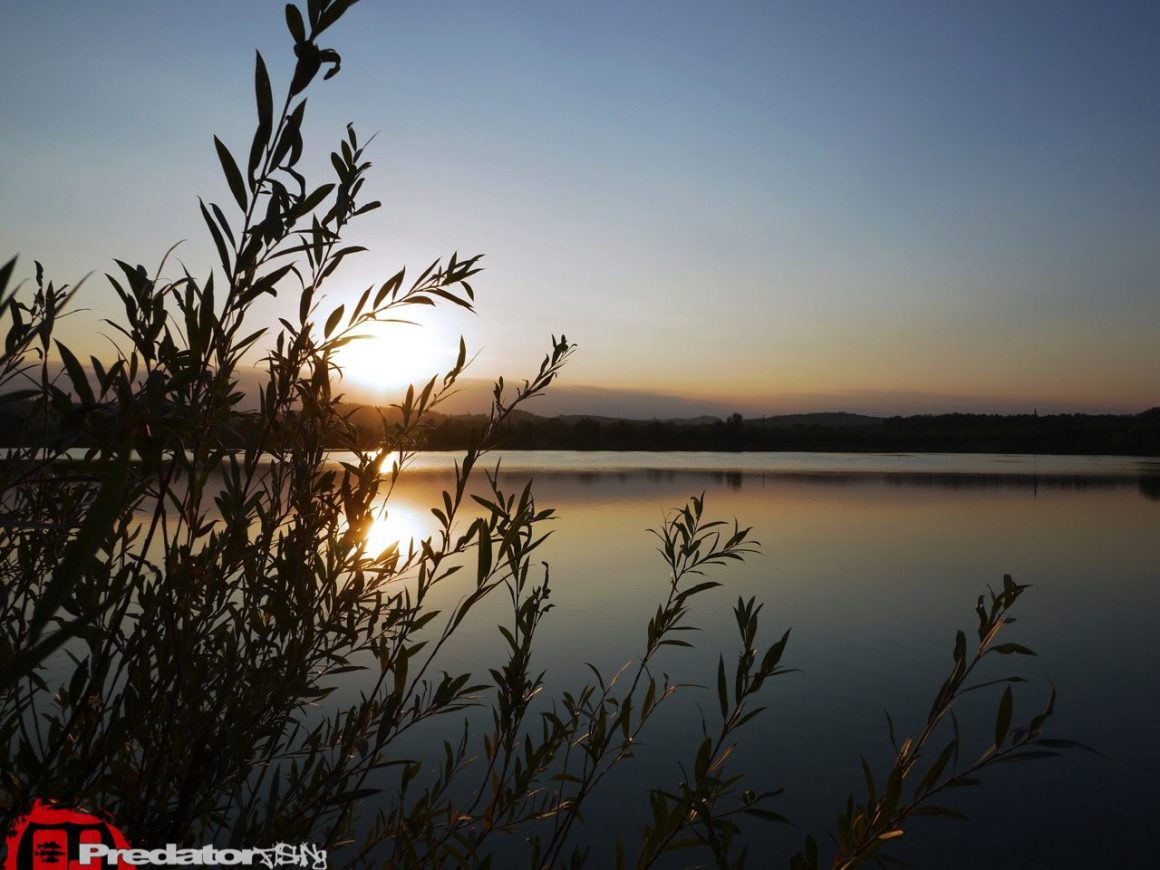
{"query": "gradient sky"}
(879, 207)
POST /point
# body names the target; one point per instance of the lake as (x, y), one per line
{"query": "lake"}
(874, 561)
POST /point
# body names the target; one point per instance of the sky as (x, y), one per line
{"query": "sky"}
(880, 207)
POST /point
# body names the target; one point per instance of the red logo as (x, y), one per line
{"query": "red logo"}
(50, 838)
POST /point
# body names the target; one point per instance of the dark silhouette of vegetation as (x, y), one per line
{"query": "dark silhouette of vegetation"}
(1074, 434)
(179, 608)
(1060, 434)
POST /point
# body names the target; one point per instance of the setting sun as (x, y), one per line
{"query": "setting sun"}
(390, 356)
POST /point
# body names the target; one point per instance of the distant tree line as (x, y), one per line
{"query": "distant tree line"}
(1137, 434)
(1081, 434)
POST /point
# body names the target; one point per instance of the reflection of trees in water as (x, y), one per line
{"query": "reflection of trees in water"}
(732, 479)
(1150, 486)
(1147, 484)
(1078, 483)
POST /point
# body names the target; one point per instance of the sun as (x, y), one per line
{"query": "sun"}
(390, 356)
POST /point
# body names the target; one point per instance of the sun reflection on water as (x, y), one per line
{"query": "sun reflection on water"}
(389, 462)
(398, 525)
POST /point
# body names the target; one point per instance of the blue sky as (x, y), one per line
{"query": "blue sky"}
(883, 207)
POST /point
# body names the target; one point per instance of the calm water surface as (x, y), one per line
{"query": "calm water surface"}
(874, 561)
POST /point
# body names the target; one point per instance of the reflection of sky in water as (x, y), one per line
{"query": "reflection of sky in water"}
(874, 561)
(874, 572)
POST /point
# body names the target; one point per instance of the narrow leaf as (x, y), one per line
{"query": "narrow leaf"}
(233, 174)
(1003, 720)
